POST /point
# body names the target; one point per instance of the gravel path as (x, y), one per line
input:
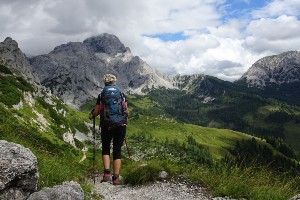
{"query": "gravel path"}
(164, 190)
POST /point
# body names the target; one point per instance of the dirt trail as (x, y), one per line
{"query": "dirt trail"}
(164, 190)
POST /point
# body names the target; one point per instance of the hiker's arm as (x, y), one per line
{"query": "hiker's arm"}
(98, 107)
(125, 103)
(97, 110)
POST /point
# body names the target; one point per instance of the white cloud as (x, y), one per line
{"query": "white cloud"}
(225, 58)
(283, 27)
(76, 19)
(230, 30)
(274, 35)
(277, 8)
(214, 46)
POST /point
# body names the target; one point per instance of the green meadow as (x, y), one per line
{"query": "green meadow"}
(202, 155)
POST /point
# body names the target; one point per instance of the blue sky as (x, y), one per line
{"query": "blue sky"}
(169, 36)
(221, 38)
(238, 9)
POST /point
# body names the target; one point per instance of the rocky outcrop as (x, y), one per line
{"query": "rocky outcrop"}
(18, 171)
(19, 176)
(105, 43)
(13, 57)
(68, 190)
(297, 197)
(187, 82)
(74, 71)
(203, 87)
(274, 70)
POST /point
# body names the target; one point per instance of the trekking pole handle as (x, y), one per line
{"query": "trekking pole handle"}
(91, 116)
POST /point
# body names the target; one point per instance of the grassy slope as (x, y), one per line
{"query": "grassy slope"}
(162, 127)
(290, 129)
(218, 140)
(59, 162)
(243, 112)
(221, 180)
(292, 133)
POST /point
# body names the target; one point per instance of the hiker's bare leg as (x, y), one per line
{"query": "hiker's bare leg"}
(117, 166)
(106, 161)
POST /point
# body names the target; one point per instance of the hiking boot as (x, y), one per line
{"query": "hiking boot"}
(116, 181)
(106, 178)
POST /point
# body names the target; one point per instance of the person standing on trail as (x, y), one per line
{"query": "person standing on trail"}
(112, 107)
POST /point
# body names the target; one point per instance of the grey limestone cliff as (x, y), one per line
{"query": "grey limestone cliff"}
(274, 70)
(13, 57)
(74, 70)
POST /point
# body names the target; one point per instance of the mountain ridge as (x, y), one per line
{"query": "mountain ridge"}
(274, 70)
(73, 72)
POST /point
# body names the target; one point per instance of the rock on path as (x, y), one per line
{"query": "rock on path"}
(69, 190)
(18, 171)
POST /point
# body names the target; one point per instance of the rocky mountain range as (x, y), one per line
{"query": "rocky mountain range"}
(274, 70)
(74, 71)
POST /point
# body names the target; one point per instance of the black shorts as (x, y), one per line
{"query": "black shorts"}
(117, 135)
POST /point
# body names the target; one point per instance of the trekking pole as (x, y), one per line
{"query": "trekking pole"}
(94, 143)
(127, 147)
(94, 150)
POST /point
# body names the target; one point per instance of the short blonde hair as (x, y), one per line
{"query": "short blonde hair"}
(108, 78)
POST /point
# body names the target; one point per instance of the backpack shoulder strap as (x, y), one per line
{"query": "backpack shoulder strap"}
(123, 96)
(101, 96)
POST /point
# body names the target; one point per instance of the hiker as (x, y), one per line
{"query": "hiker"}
(112, 107)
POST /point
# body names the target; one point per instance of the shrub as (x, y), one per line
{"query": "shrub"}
(24, 85)
(247, 153)
(10, 95)
(4, 70)
(78, 143)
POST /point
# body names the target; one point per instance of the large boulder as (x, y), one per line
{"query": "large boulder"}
(18, 171)
(68, 190)
(297, 197)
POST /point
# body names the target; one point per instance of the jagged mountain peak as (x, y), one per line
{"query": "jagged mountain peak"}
(74, 71)
(105, 43)
(274, 70)
(70, 46)
(10, 43)
(14, 58)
